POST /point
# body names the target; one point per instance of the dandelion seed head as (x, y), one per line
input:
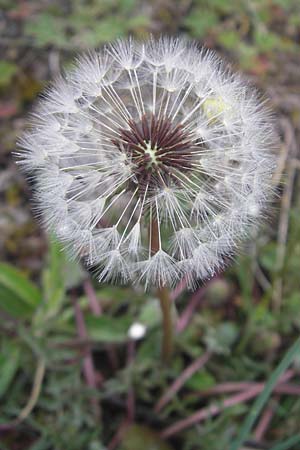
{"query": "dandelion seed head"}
(152, 161)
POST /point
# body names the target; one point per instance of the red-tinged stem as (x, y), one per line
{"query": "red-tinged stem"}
(179, 382)
(264, 422)
(88, 364)
(117, 438)
(210, 411)
(187, 314)
(96, 309)
(282, 386)
(130, 395)
(181, 286)
(214, 410)
(92, 298)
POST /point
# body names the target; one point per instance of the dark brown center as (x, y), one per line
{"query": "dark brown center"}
(158, 149)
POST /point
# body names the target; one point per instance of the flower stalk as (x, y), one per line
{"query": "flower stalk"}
(163, 294)
(165, 301)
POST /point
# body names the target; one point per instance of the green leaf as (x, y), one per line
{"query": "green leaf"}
(11, 303)
(53, 280)
(117, 296)
(9, 363)
(264, 396)
(149, 349)
(261, 315)
(107, 329)
(137, 22)
(245, 277)
(126, 6)
(200, 22)
(150, 314)
(59, 275)
(18, 296)
(220, 339)
(221, 6)
(47, 29)
(139, 437)
(268, 257)
(229, 39)
(7, 71)
(247, 55)
(101, 32)
(288, 444)
(201, 381)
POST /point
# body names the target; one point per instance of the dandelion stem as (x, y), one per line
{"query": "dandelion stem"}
(165, 301)
(166, 309)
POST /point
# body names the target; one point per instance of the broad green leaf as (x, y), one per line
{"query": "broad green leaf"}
(107, 329)
(9, 363)
(18, 295)
(11, 303)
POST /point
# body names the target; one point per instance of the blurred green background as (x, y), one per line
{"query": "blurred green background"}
(70, 378)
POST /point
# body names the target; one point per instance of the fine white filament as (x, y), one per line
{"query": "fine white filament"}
(91, 192)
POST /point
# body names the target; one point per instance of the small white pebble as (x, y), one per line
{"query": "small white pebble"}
(137, 331)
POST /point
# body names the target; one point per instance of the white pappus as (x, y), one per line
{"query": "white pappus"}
(151, 161)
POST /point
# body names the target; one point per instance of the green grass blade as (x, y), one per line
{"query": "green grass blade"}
(19, 297)
(14, 280)
(288, 444)
(264, 396)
